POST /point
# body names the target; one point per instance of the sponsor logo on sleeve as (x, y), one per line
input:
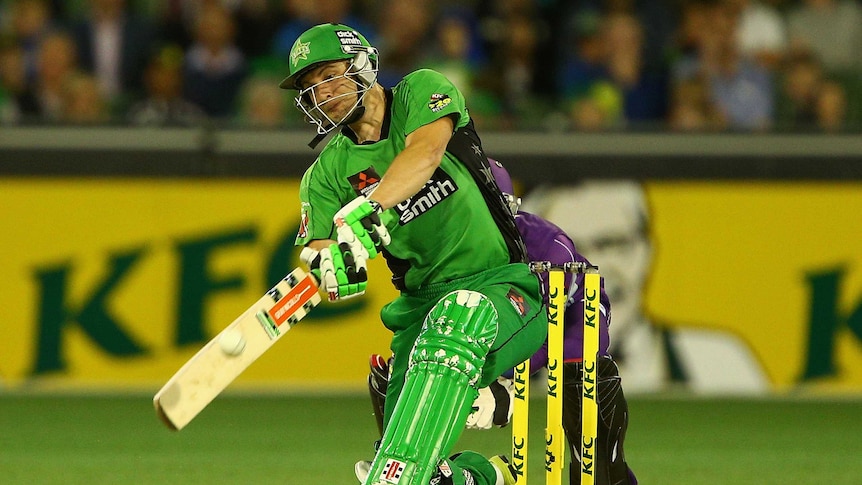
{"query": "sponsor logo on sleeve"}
(365, 181)
(303, 220)
(439, 101)
(518, 301)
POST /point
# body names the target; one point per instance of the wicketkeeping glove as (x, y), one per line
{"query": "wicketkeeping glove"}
(358, 224)
(341, 272)
(493, 407)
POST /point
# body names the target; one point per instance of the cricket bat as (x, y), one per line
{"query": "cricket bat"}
(218, 363)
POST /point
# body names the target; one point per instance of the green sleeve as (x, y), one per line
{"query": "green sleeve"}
(430, 96)
(317, 209)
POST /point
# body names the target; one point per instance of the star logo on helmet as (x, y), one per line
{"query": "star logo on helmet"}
(301, 51)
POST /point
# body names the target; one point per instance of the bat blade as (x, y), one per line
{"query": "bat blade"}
(211, 370)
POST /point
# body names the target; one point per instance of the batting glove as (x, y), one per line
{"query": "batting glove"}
(358, 224)
(493, 406)
(341, 273)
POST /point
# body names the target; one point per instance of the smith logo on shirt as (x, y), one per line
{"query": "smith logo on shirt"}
(435, 190)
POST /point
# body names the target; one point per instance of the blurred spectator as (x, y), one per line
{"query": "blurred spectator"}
(30, 21)
(606, 81)
(644, 90)
(802, 77)
(692, 108)
(694, 18)
(214, 66)
(583, 65)
(303, 14)
(761, 32)
(57, 61)
(114, 45)
(810, 99)
(831, 107)
(524, 64)
(177, 19)
(600, 109)
(262, 103)
(256, 23)
(456, 51)
(163, 84)
(513, 31)
(82, 101)
(404, 29)
(518, 68)
(13, 82)
(831, 29)
(545, 23)
(741, 89)
(659, 24)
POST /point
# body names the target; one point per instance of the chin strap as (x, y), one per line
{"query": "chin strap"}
(354, 116)
(316, 140)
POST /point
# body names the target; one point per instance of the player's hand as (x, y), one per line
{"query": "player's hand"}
(339, 272)
(493, 407)
(358, 224)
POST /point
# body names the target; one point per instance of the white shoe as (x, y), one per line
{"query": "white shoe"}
(362, 469)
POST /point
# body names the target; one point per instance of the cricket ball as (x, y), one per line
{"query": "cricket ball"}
(232, 342)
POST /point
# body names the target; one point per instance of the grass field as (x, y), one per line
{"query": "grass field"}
(268, 439)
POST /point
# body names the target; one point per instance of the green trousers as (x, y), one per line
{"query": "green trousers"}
(521, 329)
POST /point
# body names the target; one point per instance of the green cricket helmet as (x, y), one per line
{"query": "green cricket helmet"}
(327, 43)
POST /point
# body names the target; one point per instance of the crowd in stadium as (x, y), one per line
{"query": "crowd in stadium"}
(550, 65)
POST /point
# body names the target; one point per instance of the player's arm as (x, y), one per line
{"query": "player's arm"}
(319, 244)
(414, 166)
(335, 255)
(362, 231)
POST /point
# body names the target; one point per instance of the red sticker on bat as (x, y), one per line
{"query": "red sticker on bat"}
(297, 296)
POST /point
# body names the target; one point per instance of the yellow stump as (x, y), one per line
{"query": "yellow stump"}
(589, 398)
(520, 422)
(555, 438)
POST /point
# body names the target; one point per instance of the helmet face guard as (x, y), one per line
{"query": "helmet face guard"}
(328, 43)
(362, 75)
(504, 182)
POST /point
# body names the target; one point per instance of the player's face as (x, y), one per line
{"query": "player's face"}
(327, 88)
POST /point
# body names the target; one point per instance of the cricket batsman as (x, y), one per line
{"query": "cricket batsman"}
(493, 407)
(405, 175)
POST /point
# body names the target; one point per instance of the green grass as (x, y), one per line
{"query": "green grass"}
(315, 440)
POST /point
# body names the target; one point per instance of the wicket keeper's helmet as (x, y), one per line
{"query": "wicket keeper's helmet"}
(327, 43)
(504, 182)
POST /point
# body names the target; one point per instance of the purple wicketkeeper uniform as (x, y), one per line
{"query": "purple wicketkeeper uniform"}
(547, 242)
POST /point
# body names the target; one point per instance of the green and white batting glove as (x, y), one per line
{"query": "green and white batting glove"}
(358, 224)
(341, 273)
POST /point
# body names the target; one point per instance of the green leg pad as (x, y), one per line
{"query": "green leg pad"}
(438, 389)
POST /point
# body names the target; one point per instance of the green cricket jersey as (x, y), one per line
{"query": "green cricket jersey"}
(444, 231)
